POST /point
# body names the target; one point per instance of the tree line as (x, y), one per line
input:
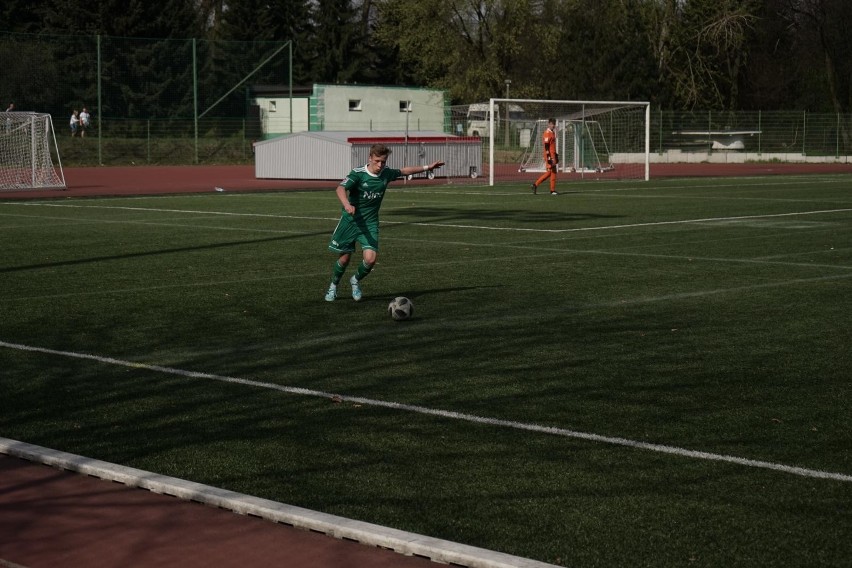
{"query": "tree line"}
(678, 54)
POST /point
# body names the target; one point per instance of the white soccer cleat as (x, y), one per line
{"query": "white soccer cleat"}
(331, 294)
(356, 289)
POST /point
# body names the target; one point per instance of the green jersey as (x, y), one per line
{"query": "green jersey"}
(367, 190)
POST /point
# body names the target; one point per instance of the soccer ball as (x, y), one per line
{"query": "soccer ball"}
(400, 308)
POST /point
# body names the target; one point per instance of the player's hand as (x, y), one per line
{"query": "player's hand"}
(436, 165)
(349, 208)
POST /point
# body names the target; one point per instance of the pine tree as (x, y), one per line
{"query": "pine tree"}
(341, 48)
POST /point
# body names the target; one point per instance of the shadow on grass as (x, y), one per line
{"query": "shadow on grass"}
(446, 214)
(177, 250)
(414, 294)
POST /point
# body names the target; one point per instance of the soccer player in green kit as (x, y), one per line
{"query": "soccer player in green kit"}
(361, 193)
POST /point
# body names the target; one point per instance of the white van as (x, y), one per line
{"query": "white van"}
(478, 118)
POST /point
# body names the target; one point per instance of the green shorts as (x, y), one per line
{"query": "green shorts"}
(349, 231)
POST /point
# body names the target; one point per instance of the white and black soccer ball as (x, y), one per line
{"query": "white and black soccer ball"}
(401, 308)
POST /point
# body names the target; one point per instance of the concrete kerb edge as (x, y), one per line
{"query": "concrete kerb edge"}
(406, 543)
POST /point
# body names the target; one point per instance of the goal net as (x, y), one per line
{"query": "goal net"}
(595, 139)
(582, 147)
(27, 148)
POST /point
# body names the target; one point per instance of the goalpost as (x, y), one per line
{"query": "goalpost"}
(27, 147)
(595, 139)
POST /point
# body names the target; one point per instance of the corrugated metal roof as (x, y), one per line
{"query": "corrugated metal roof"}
(345, 135)
(331, 154)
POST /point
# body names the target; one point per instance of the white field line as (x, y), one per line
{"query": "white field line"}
(711, 259)
(673, 450)
(696, 294)
(80, 222)
(486, 245)
(805, 253)
(708, 183)
(181, 211)
(460, 226)
(634, 225)
(698, 184)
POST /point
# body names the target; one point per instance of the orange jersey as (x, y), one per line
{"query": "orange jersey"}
(549, 140)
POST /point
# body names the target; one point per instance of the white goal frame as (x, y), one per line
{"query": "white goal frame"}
(628, 155)
(27, 147)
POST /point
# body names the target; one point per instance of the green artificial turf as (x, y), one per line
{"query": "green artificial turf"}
(657, 329)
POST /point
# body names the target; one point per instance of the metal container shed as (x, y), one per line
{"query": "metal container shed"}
(462, 155)
(305, 155)
(330, 155)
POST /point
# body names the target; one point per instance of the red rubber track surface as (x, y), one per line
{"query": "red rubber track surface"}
(154, 180)
(51, 518)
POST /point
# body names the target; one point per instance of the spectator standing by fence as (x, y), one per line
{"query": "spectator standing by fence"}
(11, 107)
(74, 123)
(85, 120)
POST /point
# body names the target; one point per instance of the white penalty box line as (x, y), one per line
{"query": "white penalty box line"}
(672, 450)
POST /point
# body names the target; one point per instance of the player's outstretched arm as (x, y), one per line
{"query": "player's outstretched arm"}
(411, 170)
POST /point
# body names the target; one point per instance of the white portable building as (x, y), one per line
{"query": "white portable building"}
(331, 155)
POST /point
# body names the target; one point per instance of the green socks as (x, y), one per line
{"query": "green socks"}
(337, 275)
(363, 270)
(338, 272)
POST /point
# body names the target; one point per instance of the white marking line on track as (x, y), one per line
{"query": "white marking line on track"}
(682, 452)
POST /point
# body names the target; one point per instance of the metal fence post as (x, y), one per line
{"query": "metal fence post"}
(709, 129)
(837, 138)
(100, 105)
(195, 94)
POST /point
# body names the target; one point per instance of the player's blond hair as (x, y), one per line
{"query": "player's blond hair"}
(379, 150)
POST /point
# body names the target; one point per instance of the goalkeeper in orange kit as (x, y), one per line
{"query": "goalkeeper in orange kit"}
(551, 158)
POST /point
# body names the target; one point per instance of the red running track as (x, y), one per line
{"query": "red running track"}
(152, 180)
(51, 518)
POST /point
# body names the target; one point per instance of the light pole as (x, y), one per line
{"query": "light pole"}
(506, 127)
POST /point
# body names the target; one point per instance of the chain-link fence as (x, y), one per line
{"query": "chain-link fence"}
(150, 100)
(188, 101)
(795, 134)
(674, 137)
(160, 141)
